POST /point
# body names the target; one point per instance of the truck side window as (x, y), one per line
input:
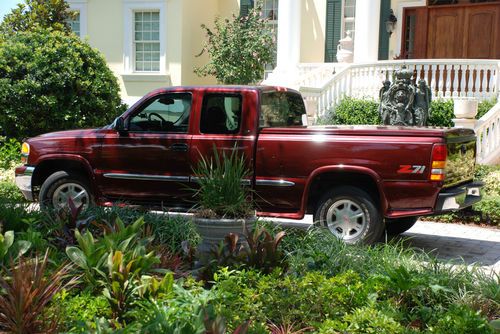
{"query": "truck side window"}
(164, 113)
(281, 109)
(221, 114)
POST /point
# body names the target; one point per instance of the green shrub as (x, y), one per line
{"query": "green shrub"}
(354, 112)
(364, 320)
(68, 84)
(76, 311)
(484, 107)
(238, 48)
(441, 113)
(9, 152)
(304, 301)
(10, 193)
(460, 319)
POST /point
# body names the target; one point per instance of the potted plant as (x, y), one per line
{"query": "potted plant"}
(224, 201)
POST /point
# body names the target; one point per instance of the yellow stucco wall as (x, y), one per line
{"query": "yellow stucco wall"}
(313, 31)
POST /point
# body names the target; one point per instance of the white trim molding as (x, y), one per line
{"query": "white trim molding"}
(81, 7)
(129, 7)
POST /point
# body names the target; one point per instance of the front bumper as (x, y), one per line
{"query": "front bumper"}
(23, 181)
(459, 197)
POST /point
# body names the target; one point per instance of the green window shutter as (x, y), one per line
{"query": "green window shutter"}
(383, 35)
(332, 33)
(245, 6)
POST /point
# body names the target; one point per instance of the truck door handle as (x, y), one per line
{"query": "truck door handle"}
(178, 147)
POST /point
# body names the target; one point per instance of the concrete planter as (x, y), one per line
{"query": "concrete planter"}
(465, 107)
(213, 231)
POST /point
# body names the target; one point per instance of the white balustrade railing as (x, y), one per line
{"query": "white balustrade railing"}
(488, 136)
(448, 78)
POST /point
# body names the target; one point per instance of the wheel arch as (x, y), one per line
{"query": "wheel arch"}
(327, 177)
(68, 163)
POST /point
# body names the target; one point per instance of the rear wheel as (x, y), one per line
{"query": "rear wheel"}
(61, 186)
(350, 214)
(399, 225)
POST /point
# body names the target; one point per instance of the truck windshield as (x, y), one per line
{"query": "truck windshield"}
(281, 109)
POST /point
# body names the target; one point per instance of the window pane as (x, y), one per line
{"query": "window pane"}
(166, 113)
(281, 109)
(74, 23)
(221, 114)
(147, 41)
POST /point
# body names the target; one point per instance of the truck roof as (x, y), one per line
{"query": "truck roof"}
(235, 88)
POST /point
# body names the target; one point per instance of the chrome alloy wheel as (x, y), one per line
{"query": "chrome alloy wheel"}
(76, 192)
(346, 219)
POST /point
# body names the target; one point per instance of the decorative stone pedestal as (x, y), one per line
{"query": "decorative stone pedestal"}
(465, 110)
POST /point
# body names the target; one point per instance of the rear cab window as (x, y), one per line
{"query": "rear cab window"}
(281, 109)
(221, 113)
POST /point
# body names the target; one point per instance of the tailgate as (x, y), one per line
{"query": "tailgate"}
(461, 159)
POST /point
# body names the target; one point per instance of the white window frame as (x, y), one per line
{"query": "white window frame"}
(129, 8)
(81, 7)
(343, 32)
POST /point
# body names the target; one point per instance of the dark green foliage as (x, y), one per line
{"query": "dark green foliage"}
(10, 152)
(484, 107)
(33, 14)
(10, 193)
(353, 112)
(51, 81)
(441, 113)
(460, 319)
(238, 49)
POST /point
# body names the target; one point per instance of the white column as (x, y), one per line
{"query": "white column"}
(289, 25)
(367, 23)
(288, 53)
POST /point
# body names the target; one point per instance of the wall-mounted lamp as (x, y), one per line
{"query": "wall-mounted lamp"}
(390, 24)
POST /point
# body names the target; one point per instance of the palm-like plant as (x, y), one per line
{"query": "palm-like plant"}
(221, 193)
(27, 289)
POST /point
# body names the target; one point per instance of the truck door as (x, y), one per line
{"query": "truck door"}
(227, 121)
(149, 162)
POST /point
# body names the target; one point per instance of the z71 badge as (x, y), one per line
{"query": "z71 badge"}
(411, 169)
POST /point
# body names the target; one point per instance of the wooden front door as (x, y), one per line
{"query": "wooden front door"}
(470, 31)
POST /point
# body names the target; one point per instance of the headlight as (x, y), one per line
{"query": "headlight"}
(25, 152)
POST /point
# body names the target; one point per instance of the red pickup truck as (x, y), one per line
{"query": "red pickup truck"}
(356, 180)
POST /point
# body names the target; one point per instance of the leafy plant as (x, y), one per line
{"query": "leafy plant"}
(77, 310)
(221, 193)
(10, 250)
(27, 290)
(33, 14)
(9, 152)
(69, 84)
(262, 251)
(353, 111)
(238, 49)
(91, 254)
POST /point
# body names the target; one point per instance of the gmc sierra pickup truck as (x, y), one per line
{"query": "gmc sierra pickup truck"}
(356, 180)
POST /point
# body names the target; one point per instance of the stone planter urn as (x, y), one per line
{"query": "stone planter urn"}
(465, 107)
(213, 230)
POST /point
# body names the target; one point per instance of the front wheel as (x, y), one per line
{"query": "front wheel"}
(61, 186)
(350, 214)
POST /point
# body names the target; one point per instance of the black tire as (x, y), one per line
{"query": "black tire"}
(366, 229)
(59, 180)
(399, 225)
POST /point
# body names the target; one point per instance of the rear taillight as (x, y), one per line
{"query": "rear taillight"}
(438, 162)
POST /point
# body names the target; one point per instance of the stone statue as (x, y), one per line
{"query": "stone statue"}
(403, 103)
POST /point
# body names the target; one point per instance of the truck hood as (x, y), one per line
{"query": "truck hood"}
(82, 133)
